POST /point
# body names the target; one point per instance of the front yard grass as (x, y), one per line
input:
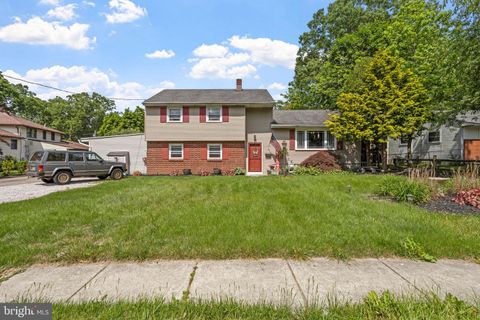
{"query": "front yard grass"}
(225, 217)
(373, 307)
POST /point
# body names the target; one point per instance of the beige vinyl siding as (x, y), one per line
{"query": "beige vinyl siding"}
(234, 130)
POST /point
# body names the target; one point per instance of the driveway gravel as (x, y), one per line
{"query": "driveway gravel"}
(36, 189)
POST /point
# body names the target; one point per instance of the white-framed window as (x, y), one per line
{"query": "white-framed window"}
(214, 151)
(434, 136)
(315, 140)
(214, 114)
(175, 151)
(174, 114)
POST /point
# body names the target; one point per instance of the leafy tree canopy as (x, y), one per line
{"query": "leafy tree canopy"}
(122, 123)
(389, 101)
(436, 41)
(78, 115)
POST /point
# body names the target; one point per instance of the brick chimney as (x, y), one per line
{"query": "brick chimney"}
(239, 84)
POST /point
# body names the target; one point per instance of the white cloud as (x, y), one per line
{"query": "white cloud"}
(277, 86)
(160, 54)
(210, 51)
(241, 58)
(50, 2)
(65, 13)
(267, 51)
(40, 32)
(89, 3)
(233, 65)
(124, 11)
(84, 79)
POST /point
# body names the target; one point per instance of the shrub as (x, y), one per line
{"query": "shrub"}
(322, 160)
(306, 171)
(204, 173)
(8, 166)
(239, 171)
(400, 188)
(228, 172)
(21, 166)
(414, 250)
(175, 173)
(470, 197)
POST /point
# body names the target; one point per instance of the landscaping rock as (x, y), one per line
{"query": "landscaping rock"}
(445, 204)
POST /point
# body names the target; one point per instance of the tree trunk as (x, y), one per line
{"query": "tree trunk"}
(409, 153)
(367, 152)
(384, 156)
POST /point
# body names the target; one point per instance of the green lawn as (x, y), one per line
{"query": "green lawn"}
(374, 307)
(225, 217)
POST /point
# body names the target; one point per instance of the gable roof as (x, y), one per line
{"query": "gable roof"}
(10, 120)
(300, 118)
(214, 96)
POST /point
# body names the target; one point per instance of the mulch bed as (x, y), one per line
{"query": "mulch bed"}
(445, 204)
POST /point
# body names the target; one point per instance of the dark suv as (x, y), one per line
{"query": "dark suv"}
(61, 166)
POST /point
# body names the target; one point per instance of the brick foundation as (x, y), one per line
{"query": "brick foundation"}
(194, 157)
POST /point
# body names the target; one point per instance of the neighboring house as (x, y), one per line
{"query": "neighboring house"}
(20, 137)
(134, 144)
(461, 141)
(205, 129)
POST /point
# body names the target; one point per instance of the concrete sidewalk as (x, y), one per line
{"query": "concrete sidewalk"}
(277, 281)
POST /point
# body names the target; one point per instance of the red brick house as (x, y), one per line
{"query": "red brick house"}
(204, 129)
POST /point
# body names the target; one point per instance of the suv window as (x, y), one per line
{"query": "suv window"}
(56, 156)
(37, 156)
(75, 156)
(92, 157)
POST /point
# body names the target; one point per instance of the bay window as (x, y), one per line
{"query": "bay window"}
(315, 140)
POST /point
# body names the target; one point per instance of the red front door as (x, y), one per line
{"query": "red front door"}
(255, 157)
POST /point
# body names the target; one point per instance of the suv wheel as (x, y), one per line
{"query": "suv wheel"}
(116, 174)
(47, 180)
(62, 177)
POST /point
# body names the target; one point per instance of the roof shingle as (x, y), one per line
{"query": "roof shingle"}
(214, 96)
(300, 118)
(10, 120)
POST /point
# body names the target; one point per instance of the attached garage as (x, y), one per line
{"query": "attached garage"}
(134, 144)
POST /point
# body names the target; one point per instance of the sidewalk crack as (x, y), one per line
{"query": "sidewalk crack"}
(401, 276)
(86, 283)
(186, 293)
(304, 297)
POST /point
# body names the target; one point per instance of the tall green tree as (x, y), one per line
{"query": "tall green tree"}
(19, 100)
(79, 115)
(122, 123)
(418, 31)
(389, 102)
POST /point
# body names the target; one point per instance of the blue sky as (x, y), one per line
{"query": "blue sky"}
(134, 48)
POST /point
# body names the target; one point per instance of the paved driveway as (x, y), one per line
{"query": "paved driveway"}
(22, 188)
